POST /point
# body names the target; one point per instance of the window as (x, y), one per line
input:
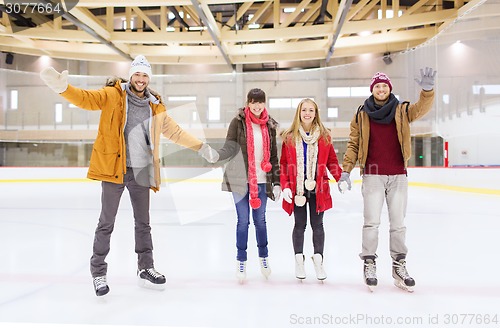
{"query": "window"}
(14, 98)
(296, 101)
(446, 99)
(182, 98)
(488, 89)
(360, 92)
(58, 113)
(388, 13)
(348, 92)
(280, 103)
(333, 112)
(285, 102)
(339, 92)
(124, 24)
(214, 109)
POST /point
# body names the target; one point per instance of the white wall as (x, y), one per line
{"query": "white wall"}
(473, 139)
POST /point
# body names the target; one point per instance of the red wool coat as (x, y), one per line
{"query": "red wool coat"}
(327, 160)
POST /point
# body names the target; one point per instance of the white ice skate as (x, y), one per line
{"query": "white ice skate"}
(318, 266)
(300, 271)
(241, 273)
(265, 269)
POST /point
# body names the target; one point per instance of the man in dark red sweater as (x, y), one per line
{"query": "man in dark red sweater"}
(380, 141)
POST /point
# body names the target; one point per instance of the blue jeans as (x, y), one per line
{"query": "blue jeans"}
(259, 220)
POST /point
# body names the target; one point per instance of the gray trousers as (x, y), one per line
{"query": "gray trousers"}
(393, 189)
(110, 199)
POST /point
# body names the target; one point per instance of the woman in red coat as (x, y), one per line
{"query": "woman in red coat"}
(307, 154)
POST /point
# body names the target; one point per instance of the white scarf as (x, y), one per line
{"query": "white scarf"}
(312, 158)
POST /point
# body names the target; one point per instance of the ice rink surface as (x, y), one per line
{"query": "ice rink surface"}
(46, 235)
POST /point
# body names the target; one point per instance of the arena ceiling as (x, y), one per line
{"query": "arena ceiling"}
(221, 32)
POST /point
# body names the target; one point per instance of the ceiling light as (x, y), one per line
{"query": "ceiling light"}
(365, 33)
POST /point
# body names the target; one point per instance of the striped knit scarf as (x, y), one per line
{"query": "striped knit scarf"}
(312, 158)
(265, 164)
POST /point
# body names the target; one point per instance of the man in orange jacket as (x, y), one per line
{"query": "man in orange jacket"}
(126, 155)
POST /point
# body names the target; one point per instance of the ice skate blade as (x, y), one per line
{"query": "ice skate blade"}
(102, 292)
(241, 277)
(402, 286)
(371, 288)
(100, 295)
(143, 283)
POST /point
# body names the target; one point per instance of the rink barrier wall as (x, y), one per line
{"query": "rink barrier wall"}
(474, 180)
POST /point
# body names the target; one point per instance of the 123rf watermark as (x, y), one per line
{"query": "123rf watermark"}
(362, 319)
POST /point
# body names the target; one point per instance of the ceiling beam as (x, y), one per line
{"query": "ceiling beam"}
(146, 19)
(90, 25)
(385, 38)
(338, 23)
(290, 18)
(212, 28)
(434, 17)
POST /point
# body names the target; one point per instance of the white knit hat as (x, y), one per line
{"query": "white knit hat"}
(140, 64)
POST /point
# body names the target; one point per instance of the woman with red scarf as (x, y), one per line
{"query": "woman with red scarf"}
(251, 174)
(306, 157)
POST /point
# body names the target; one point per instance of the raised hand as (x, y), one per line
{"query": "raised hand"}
(55, 80)
(426, 80)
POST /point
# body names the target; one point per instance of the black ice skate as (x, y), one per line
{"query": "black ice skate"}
(401, 277)
(100, 286)
(150, 278)
(370, 273)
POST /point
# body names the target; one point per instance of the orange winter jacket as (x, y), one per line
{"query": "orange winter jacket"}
(107, 162)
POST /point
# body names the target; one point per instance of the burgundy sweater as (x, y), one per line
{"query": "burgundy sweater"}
(384, 150)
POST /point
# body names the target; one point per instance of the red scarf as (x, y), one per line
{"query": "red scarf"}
(265, 165)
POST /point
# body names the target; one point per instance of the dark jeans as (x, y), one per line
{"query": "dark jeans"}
(259, 220)
(316, 221)
(110, 199)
